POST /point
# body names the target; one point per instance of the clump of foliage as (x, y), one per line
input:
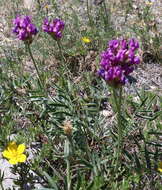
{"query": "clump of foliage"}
(54, 95)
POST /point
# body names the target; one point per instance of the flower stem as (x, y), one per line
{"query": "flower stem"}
(63, 67)
(36, 68)
(88, 13)
(106, 18)
(68, 174)
(68, 142)
(117, 95)
(39, 4)
(60, 49)
(1, 185)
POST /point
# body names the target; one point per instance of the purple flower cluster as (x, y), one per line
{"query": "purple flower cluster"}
(54, 28)
(24, 29)
(118, 61)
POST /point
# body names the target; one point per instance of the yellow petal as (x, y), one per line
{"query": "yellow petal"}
(21, 149)
(22, 158)
(160, 169)
(13, 161)
(7, 154)
(12, 146)
(160, 166)
(149, 3)
(13, 143)
(86, 40)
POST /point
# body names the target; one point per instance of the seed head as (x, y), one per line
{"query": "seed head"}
(67, 127)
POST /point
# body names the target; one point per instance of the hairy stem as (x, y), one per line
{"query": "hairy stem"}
(117, 95)
(36, 68)
(68, 174)
(89, 16)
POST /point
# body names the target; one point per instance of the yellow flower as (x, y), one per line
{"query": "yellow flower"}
(46, 6)
(86, 40)
(160, 167)
(148, 2)
(14, 153)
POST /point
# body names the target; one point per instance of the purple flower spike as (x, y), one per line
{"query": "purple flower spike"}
(54, 28)
(133, 44)
(24, 29)
(113, 44)
(118, 61)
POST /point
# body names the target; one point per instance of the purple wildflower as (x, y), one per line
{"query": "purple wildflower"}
(24, 29)
(118, 61)
(54, 28)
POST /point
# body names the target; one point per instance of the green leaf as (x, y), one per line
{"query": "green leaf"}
(58, 105)
(45, 189)
(50, 180)
(138, 164)
(147, 157)
(86, 163)
(62, 112)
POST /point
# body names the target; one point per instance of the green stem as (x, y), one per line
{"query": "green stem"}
(55, 6)
(60, 49)
(88, 13)
(68, 174)
(117, 99)
(63, 69)
(107, 17)
(36, 68)
(68, 167)
(39, 4)
(2, 188)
